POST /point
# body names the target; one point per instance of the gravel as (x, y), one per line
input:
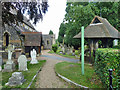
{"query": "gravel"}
(47, 77)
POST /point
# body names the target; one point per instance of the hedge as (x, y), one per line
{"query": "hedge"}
(105, 59)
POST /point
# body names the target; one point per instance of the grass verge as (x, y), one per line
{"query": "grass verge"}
(28, 75)
(72, 71)
(66, 55)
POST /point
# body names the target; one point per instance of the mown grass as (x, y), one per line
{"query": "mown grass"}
(66, 55)
(72, 71)
(28, 75)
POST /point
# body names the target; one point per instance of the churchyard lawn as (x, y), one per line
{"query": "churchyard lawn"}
(28, 75)
(66, 55)
(72, 71)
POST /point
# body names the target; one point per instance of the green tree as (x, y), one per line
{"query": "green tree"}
(34, 9)
(61, 34)
(80, 14)
(50, 32)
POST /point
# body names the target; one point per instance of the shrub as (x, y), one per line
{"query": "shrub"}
(117, 47)
(76, 52)
(107, 59)
(79, 50)
(54, 47)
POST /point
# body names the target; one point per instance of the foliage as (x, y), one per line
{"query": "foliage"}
(72, 71)
(61, 33)
(107, 59)
(50, 32)
(54, 47)
(28, 75)
(117, 47)
(80, 14)
(34, 9)
(66, 55)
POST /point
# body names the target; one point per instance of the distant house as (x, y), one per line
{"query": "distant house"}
(48, 41)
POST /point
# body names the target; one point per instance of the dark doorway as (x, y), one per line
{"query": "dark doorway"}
(6, 39)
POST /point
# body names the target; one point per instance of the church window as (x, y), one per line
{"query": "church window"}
(6, 38)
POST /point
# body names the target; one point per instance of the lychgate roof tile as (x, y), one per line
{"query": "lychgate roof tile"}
(100, 28)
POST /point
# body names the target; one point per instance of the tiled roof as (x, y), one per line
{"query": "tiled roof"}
(100, 30)
(32, 38)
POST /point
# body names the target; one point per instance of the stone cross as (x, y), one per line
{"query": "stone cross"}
(22, 60)
(9, 66)
(33, 57)
(10, 51)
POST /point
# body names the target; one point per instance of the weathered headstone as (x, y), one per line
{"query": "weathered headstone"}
(16, 79)
(65, 49)
(1, 62)
(71, 49)
(33, 57)
(9, 66)
(0, 68)
(22, 61)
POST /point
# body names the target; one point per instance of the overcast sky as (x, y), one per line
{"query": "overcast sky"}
(53, 18)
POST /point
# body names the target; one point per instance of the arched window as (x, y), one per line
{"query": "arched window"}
(6, 38)
(47, 42)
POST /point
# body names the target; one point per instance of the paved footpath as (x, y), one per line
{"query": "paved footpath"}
(47, 77)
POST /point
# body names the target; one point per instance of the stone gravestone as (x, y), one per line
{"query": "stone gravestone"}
(65, 49)
(73, 53)
(33, 57)
(22, 61)
(16, 79)
(1, 63)
(10, 65)
(68, 51)
(71, 49)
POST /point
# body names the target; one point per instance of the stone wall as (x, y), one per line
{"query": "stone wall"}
(13, 36)
(48, 41)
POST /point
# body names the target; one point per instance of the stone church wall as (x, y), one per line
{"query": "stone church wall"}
(13, 36)
(48, 41)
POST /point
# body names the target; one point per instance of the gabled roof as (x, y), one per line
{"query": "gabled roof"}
(26, 21)
(100, 28)
(32, 38)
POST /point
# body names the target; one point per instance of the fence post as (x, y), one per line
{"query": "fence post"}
(110, 78)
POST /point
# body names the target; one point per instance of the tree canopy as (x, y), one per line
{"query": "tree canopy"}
(51, 32)
(35, 10)
(80, 14)
(61, 32)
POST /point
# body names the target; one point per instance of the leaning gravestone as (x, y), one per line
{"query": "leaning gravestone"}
(10, 65)
(33, 57)
(22, 61)
(16, 79)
